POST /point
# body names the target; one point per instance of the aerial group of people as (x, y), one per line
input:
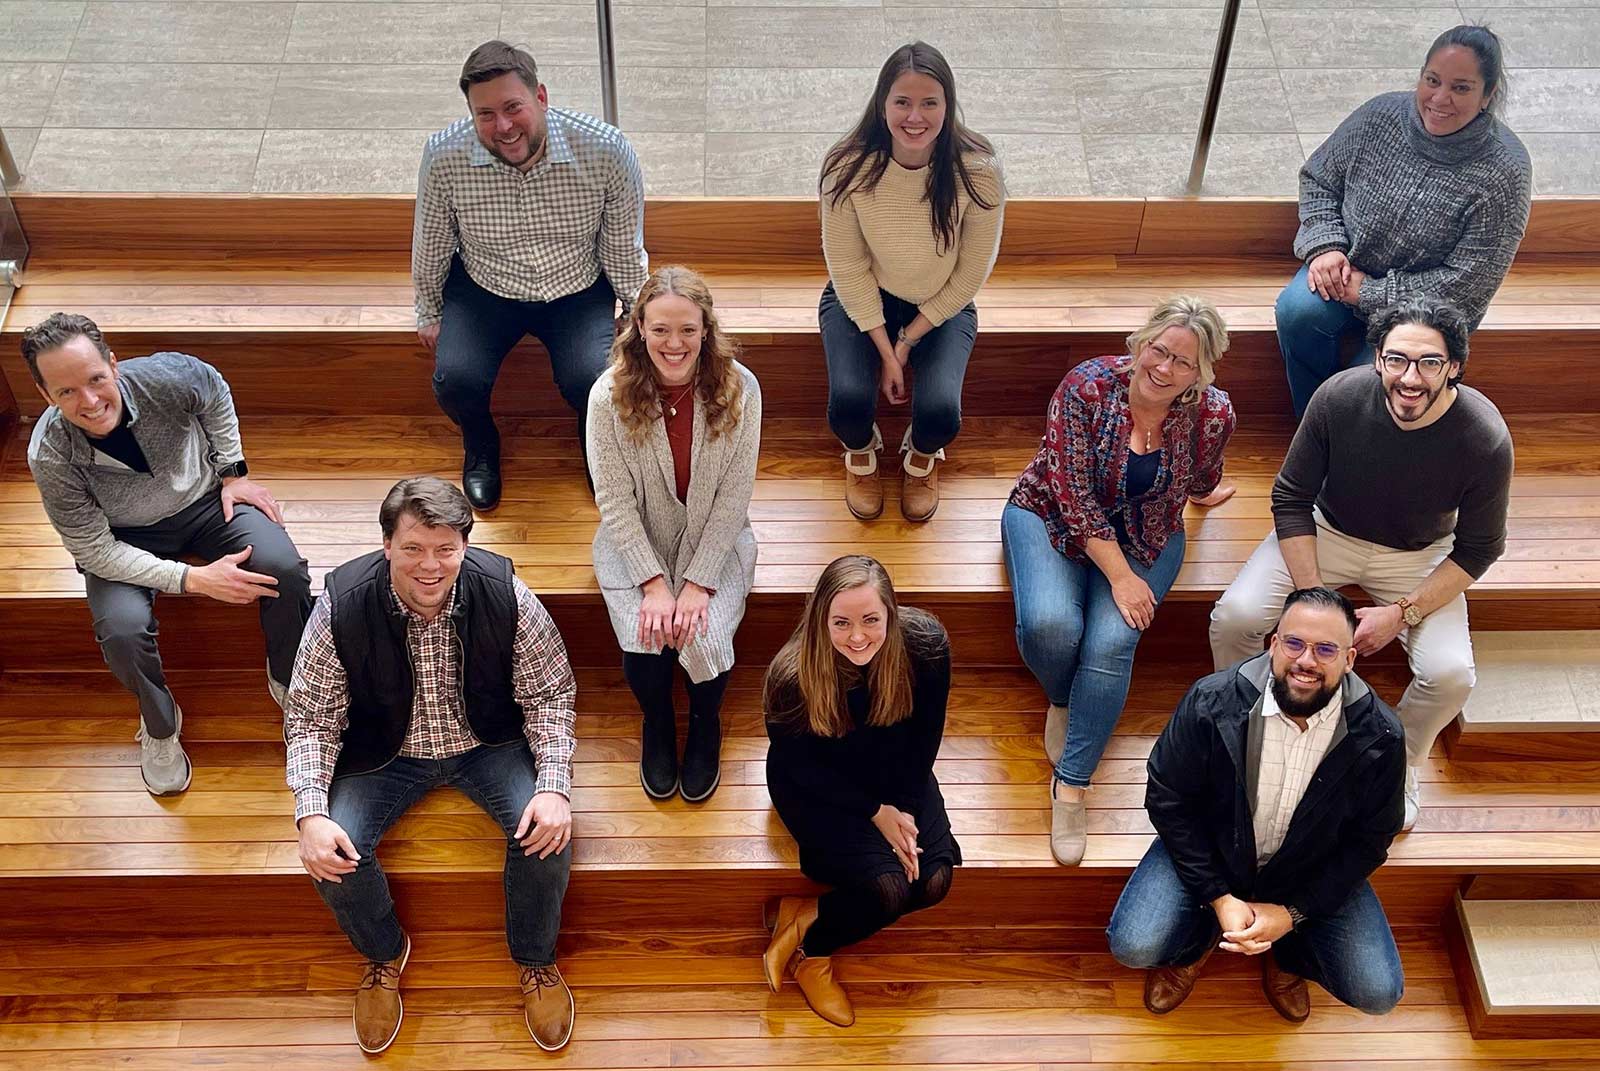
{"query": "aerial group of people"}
(1280, 780)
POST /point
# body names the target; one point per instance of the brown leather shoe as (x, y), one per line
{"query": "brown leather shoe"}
(827, 997)
(1167, 987)
(794, 917)
(863, 486)
(1287, 993)
(378, 1008)
(919, 483)
(547, 1006)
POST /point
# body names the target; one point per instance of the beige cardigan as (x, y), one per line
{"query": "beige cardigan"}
(645, 531)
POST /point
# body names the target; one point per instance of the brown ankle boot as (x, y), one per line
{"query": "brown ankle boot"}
(919, 481)
(547, 1006)
(1167, 987)
(795, 916)
(1287, 993)
(863, 486)
(814, 975)
(378, 1008)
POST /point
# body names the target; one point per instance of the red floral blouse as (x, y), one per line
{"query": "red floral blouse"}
(1077, 481)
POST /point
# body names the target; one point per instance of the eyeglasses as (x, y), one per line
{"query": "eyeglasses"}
(1398, 364)
(1181, 365)
(1322, 652)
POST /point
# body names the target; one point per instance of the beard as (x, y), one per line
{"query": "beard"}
(1392, 396)
(1301, 708)
(535, 147)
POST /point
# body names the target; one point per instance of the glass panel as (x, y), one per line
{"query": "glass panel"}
(13, 245)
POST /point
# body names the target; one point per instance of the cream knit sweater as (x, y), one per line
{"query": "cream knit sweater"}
(883, 239)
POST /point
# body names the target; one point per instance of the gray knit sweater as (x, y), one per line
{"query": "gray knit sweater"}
(1416, 212)
(181, 414)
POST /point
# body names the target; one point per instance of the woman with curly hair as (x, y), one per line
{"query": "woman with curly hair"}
(674, 429)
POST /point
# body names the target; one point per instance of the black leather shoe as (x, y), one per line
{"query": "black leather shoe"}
(658, 757)
(480, 477)
(702, 758)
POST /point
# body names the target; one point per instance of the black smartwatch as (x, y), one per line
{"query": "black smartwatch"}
(1296, 919)
(238, 468)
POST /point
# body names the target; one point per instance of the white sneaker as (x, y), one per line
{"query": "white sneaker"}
(162, 763)
(1413, 798)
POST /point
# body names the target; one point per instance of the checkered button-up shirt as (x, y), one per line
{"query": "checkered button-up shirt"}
(1289, 758)
(533, 235)
(541, 679)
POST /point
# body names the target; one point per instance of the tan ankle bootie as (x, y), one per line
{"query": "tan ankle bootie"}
(863, 487)
(919, 481)
(814, 975)
(794, 918)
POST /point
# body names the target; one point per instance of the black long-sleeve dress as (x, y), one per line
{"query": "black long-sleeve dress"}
(827, 789)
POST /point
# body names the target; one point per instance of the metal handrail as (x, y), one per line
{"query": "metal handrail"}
(608, 61)
(1208, 115)
(9, 174)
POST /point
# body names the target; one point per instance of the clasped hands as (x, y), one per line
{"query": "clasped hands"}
(1249, 928)
(672, 621)
(1334, 278)
(900, 830)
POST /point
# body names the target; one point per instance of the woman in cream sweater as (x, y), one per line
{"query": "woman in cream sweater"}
(911, 212)
(674, 429)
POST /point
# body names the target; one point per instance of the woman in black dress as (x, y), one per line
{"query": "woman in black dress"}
(855, 705)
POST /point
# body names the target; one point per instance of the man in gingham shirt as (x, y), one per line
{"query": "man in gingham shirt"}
(530, 220)
(424, 664)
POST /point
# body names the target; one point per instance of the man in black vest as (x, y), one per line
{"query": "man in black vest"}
(429, 663)
(1275, 789)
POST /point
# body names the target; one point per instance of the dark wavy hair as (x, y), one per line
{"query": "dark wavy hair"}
(858, 160)
(1425, 311)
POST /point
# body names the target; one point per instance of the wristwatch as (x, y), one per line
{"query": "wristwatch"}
(1296, 917)
(238, 468)
(1408, 610)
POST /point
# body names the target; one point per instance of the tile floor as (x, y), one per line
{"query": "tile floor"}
(742, 96)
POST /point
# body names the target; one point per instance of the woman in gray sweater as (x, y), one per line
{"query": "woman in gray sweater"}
(674, 429)
(1417, 192)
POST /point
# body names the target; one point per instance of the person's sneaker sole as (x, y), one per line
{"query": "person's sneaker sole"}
(572, 1020)
(405, 957)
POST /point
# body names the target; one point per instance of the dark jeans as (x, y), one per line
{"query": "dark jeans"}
(125, 618)
(938, 366)
(1311, 334)
(498, 779)
(1350, 953)
(481, 327)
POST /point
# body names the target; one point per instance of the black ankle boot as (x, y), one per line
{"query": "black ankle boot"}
(702, 757)
(658, 756)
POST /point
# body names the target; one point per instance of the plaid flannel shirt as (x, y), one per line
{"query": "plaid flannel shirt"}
(533, 235)
(542, 683)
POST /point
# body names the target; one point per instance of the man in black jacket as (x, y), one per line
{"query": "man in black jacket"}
(1276, 789)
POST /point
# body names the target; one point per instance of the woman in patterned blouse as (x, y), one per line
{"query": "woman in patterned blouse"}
(1093, 532)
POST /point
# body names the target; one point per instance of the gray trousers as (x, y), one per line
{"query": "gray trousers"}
(124, 614)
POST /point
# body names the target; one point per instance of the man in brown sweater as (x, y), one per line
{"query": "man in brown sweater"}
(1397, 481)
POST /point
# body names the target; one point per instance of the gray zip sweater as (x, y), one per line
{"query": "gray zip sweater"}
(181, 413)
(1419, 214)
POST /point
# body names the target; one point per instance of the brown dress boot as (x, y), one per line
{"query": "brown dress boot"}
(1287, 993)
(1167, 987)
(863, 486)
(919, 482)
(378, 1008)
(547, 1006)
(827, 997)
(794, 918)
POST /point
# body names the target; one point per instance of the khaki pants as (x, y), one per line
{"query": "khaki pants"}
(1439, 649)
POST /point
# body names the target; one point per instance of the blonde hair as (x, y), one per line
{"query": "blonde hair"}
(634, 391)
(806, 682)
(1196, 315)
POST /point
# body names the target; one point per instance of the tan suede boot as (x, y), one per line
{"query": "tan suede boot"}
(814, 975)
(919, 481)
(795, 916)
(863, 486)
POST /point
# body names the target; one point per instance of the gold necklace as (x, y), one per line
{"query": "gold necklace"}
(672, 406)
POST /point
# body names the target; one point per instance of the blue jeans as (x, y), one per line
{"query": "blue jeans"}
(938, 369)
(498, 779)
(1350, 953)
(1311, 332)
(480, 327)
(1072, 636)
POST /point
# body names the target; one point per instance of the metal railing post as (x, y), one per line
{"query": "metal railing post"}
(9, 175)
(608, 61)
(1208, 116)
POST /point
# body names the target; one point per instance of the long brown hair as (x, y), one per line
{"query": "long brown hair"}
(634, 390)
(808, 678)
(858, 160)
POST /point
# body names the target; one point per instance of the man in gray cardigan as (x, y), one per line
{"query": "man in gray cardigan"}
(139, 464)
